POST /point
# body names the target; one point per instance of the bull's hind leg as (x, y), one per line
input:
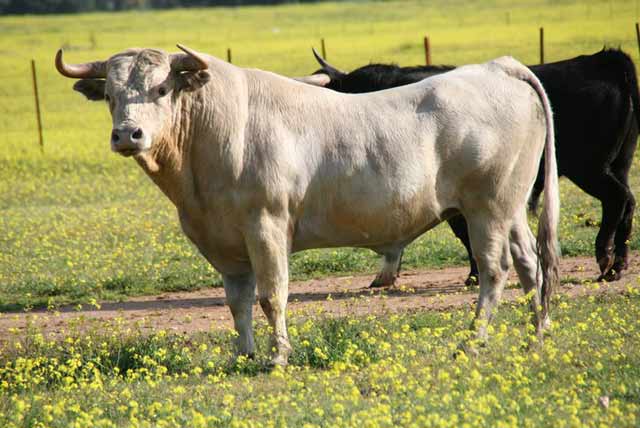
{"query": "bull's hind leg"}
(240, 291)
(268, 248)
(522, 244)
(490, 244)
(390, 269)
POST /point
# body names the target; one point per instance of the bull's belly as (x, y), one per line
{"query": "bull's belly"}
(371, 210)
(382, 228)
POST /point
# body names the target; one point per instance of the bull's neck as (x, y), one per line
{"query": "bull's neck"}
(167, 162)
(197, 140)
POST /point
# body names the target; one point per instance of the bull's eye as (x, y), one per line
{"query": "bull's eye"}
(162, 91)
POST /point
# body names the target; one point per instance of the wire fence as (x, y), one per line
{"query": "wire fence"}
(428, 53)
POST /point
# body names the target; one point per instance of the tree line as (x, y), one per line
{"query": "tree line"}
(19, 7)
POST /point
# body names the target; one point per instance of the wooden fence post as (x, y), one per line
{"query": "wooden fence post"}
(324, 49)
(638, 36)
(427, 51)
(229, 55)
(541, 45)
(35, 92)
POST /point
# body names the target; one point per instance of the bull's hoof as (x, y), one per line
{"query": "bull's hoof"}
(533, 342)
(240, 360)
(383, 281)
(546, 324)
(281, 355)
(244, 356)
(467, 349)
(244, 349)
(279, 360)
(472, 280)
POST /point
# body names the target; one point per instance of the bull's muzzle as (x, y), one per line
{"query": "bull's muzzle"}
(128, 141)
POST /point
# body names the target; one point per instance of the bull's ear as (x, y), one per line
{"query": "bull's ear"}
(193, 80)
(319, 79)
(93, 89)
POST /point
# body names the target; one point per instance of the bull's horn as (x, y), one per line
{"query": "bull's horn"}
(326, 67)
(89, 70)
(192, 62)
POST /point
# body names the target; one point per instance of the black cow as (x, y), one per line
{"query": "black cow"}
(597, 119)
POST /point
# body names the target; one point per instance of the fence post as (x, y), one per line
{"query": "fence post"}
(229, 55)
(427, 50)
(541, 45)
(35, 92)
(638, 36)
(324, 49)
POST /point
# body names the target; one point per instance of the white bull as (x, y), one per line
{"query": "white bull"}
(260, 166)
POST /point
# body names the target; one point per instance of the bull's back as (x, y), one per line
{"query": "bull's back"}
(491, 117)
(407, 156)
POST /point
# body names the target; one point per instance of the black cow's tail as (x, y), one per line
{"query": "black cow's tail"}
(632, 86)
(623, 72)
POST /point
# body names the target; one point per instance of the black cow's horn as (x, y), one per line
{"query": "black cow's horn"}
(326, 67)
(89, 70)
(193, 61)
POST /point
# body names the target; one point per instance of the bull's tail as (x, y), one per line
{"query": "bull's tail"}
(547, 239)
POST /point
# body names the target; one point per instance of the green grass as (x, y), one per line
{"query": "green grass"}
(387, 371)
(79, 222)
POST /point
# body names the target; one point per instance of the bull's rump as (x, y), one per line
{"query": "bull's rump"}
(454, 142)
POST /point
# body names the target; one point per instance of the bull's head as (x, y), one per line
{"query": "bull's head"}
(141, 87)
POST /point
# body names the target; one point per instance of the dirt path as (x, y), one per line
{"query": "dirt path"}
(414, 290)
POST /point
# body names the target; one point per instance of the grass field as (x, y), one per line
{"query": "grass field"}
(368, 372)
(80, 224)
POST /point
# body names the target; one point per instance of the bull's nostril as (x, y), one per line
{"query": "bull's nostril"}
(137, 134)
(114, 136)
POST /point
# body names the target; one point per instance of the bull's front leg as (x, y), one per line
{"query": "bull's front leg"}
(240, 291)
(268, 246)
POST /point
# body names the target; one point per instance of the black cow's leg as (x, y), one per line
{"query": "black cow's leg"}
(614, 197)
(613, 208)
(538, 187)
(459, 226)
(623, 234)
(399, 263)
(620, 168)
